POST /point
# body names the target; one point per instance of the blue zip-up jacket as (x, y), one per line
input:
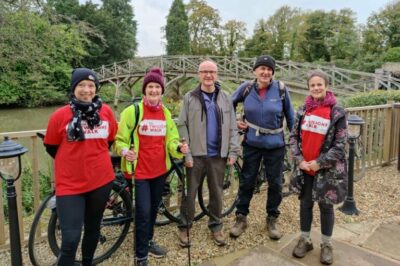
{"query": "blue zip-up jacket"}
(265, 113)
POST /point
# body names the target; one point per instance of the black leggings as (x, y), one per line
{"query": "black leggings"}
(73, 212)
(306, 210)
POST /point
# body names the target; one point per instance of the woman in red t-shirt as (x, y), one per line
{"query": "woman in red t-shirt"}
(78, 137)
(318, 141)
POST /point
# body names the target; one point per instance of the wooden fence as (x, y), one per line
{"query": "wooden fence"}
(380, 137)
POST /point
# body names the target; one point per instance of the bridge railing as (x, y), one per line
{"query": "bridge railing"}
(343, 81)
(380, 138)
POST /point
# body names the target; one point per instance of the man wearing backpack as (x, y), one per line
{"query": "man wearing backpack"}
(266, 102)
(207, 122)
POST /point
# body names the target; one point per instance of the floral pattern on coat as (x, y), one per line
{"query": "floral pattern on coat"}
(330, 182)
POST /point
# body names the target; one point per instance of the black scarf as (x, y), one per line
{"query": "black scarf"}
(88, 112)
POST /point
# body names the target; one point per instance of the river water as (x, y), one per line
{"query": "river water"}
(22, 119)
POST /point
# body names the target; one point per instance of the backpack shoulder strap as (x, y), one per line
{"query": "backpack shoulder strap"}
(247, 90)
(137, 113)
(282, 89)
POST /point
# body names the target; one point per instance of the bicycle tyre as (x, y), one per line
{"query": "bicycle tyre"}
(40, 254)
(174, 193)
(115, 224)
(231, 189)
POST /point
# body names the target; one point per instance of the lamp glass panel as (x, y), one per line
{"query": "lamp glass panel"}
(9, 167)
(354, 131)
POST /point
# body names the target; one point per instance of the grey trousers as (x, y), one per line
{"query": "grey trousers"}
(214, 169)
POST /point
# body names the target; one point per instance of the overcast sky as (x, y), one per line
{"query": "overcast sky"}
(151, 15)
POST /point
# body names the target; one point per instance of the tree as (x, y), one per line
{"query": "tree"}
(204, 24)
(177, 30)
(119, 29)
(382, 30)
(277, 36)
(231, 37)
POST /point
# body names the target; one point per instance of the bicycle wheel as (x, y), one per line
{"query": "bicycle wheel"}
(230, 195)
(169, 210)
(40, 252)
(117, 218)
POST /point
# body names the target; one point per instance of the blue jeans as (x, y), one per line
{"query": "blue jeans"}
(273, 162)
(147, 200)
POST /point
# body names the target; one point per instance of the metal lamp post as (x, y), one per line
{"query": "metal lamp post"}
(10, 171)
(355, 124)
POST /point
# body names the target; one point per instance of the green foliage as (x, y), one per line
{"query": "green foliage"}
(27, 190)
(392, 55)
(177, 30)
(36, 59)
(375, 97)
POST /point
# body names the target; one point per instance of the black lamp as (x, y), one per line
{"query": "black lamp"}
(10, 171)
(354, 129)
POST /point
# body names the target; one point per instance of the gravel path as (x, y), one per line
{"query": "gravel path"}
(377, 196)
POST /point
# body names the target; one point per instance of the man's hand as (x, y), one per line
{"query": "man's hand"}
(184, 148)
(189, 164)
(231, 160)
(241, 125)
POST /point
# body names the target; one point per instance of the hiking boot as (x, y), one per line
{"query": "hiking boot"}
(326, 256)
(156, 251)
(219, 238)
(272, 229)
(302, 247)
(239, 227)
(142, 263)
(183, 238)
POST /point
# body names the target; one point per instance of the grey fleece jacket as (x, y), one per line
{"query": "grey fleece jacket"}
(192, 124)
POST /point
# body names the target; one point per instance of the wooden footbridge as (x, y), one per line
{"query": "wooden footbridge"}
(180, 69)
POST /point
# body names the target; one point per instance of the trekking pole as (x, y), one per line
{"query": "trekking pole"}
(132, 148)
(185, 186)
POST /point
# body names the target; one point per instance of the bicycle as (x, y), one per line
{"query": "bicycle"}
(118, 215)
(116, 222)
(117, 218)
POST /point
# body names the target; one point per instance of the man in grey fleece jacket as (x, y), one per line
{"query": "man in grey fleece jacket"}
(208, 122)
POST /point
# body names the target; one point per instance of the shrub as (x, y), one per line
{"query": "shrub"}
(375, 97)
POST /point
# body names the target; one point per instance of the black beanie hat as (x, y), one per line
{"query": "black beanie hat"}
(154, 75)
(265, 60)
(79, 74)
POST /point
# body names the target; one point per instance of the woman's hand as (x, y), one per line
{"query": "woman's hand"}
(304, 166)
(130, 155)
(314, 166)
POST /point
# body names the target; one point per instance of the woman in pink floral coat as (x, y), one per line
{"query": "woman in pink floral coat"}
(318, 141)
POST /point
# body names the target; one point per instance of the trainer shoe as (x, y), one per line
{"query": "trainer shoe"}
(156, 251)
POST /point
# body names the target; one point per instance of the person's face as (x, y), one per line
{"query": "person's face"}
(264, 75)
(208, 74)
(317, 87)
(153, 92)
(85, 91)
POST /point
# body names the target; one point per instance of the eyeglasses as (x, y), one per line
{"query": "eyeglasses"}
(205, 72)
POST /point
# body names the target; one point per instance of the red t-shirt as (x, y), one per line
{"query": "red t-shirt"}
(314, 127)
(152, 131)
(81, 166)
